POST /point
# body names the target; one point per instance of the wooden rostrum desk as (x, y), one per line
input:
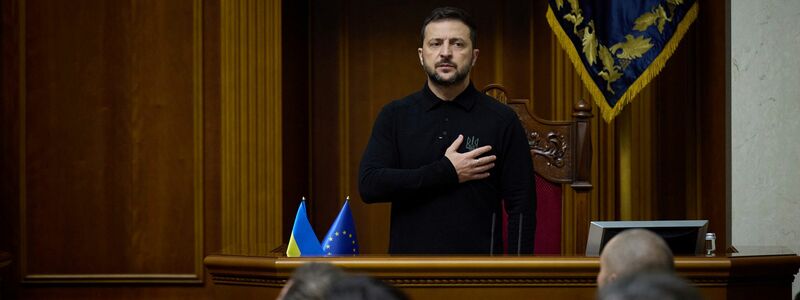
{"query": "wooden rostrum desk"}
(753, 273)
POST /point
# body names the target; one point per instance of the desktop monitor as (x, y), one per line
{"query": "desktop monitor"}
(683, 237)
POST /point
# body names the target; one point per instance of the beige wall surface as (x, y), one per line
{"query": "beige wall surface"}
(765, 123)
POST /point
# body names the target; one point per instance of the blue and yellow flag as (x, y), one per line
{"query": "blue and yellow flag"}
(618, 46)
(303, 241)
(341, 239)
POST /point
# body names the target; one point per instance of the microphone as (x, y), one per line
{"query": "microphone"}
(519, 236)
(491, 237)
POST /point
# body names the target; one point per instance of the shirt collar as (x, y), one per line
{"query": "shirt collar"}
(465, 100)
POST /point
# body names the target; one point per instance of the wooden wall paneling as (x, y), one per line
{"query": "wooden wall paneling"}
(325, 23)
(581, 207)
(713, 59)
(211, 151)
(634, 137)
(515, 52)
(198, 132)
(367, 53)
(606, 197)
(212, 127)
(541, 48)
(110, 140)
(9, 172)
(251, 126)
(677, 135)
(9, 144)
(324, 26)
(295, 109)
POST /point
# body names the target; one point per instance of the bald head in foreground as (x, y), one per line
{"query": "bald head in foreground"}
(633, 251)
(649, 286)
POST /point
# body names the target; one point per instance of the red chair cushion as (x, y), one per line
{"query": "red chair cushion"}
(548, 218)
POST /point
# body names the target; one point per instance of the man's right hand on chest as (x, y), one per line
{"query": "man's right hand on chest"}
(468, 165)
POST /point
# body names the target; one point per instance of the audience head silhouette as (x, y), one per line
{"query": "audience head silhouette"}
(634, 251)
(649, 286)
(311, 281)
(324, 281)
(358, 287)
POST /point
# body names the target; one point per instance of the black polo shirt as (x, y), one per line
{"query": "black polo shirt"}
(432, 213)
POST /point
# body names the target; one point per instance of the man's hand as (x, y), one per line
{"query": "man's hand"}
(468, 166)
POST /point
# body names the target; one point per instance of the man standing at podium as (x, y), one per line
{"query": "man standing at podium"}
(445, 156)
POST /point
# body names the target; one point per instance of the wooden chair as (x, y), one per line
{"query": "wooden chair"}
(562, 154)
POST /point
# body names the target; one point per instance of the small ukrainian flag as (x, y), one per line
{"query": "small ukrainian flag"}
(303, 241)
(341, 239)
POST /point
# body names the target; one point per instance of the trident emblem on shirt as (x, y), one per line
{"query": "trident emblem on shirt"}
(472, 143)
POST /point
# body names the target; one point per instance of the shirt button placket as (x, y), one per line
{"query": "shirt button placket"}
(445, 127)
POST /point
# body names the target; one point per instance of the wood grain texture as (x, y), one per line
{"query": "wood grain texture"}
(251, 123)
(110, 141)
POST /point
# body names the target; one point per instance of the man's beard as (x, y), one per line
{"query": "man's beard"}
(460, 76)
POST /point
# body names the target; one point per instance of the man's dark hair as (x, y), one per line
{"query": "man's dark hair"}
(312, 281)
(451, 13)
(359, 287)
(649, 286)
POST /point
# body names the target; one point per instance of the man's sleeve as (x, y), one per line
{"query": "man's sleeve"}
(519, 190)
(380, 177)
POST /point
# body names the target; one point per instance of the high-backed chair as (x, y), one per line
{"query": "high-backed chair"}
(562, 155)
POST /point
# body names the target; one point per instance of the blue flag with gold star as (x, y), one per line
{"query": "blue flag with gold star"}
(618, 46)
(341, 239)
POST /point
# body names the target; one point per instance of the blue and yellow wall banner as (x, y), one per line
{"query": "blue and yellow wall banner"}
(618, 46)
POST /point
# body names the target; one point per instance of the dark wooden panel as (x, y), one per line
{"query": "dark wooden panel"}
(324, 114)
(122, 293)
(692, 112)
(212, 130)
(9, 139)
(676, 134)
(295, 106)
(714, 107)
(109, 141)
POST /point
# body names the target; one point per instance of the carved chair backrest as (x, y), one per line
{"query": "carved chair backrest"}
(561, 150)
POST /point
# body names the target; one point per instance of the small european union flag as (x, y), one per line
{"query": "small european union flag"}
(341, 239)
(303, 241)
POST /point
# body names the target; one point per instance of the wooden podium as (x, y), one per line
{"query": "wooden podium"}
(753, 273)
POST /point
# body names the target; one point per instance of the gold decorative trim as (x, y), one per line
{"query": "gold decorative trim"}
(652, 70)
(112, 279)
(463, 282)
(197, 131)
(493, 282)
(240, 280)
(420, 282)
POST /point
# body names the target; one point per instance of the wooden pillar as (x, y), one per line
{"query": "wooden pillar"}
(583, 205)
(251, 125)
